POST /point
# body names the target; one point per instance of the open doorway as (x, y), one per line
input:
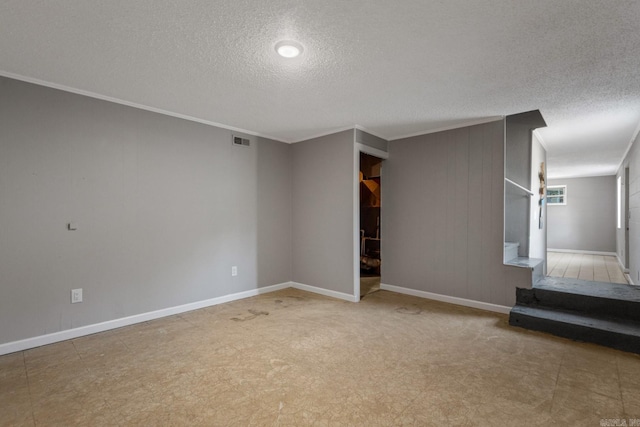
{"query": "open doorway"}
(370, 235)
(581, 240)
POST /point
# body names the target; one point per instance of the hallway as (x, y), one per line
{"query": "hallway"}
(599, 268)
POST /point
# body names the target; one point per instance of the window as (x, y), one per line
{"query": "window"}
(557, 195)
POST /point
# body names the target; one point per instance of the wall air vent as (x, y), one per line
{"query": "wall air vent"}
(238, 140)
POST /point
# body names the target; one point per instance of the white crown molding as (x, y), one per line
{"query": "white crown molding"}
(321, 134)
(634, 136)
(132, 104)
(540, 139)
(455, 126)
(364, 129)
(597, 175)
(337, 130)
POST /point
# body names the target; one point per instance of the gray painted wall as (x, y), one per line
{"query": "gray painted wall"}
(371, 140)
(621, 237)
(518, 150)
(442, 215)
(632, 161)
(323, 212)
(588, 220)
(164, 208)
(518, 168)
(517, 219)
(274, 214)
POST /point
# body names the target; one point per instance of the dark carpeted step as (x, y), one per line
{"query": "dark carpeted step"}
(615, 333)
(594, 298)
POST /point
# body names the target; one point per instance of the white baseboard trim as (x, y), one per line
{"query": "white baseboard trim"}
(621, 264)
(445, 298)
(577, 251)
(68, 334)
(325, 292)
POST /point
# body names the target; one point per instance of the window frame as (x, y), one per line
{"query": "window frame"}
(563, 195)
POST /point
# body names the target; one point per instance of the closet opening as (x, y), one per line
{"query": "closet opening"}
(370, 235)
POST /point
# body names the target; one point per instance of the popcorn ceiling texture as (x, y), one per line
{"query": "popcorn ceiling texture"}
(396, 68)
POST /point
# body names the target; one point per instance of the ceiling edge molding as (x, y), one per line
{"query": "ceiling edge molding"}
(132, 104)
(364, 129)
(541, 140)
(593, 175)
(321, 134)
(455, 126)
(340, 129)
(633, 139)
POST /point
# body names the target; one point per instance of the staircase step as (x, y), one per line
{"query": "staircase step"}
(591, 288)
(619, 334)
(595, 298)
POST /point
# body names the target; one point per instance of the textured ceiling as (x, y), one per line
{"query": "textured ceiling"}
(396, 68)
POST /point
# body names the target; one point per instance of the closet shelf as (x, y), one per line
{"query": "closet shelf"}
(519, 186)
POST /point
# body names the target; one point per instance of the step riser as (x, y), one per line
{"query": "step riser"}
(611, 339)
(596, 306)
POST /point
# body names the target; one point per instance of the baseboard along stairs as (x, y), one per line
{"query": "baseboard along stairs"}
(602, 313)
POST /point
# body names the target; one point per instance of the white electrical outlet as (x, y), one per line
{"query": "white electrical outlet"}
(76, 295)
(234, 270)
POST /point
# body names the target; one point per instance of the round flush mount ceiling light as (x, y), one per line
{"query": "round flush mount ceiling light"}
(288, 48)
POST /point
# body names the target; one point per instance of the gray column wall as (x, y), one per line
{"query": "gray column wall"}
(632, 161)
(588, 221)
(323, 182)
(442, 215)
(164, 207)
(373, 141)
(537, 235)
(621, 243)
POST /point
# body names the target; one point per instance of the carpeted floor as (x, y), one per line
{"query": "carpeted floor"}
(369, 285)
(294, 358)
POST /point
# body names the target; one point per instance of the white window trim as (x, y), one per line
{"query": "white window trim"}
(564, 195)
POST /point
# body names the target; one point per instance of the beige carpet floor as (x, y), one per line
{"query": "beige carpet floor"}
(292, 358)
(369, 285)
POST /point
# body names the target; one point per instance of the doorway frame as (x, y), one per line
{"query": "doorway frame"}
(358, 148)
(626, 222)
